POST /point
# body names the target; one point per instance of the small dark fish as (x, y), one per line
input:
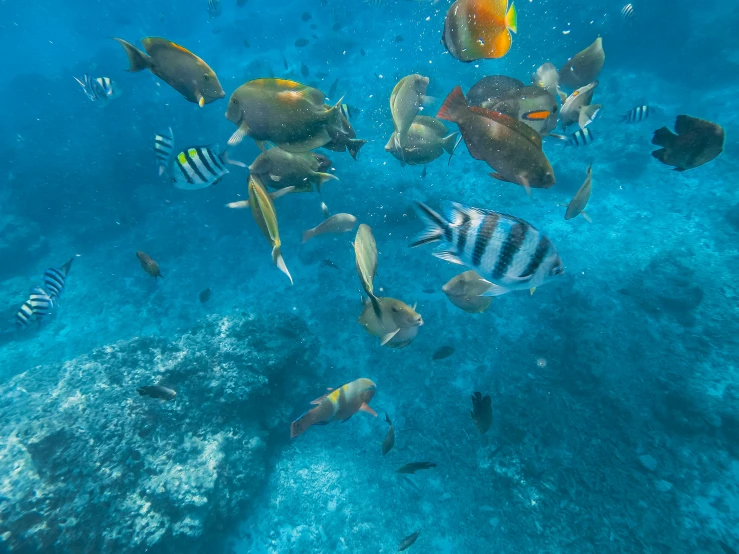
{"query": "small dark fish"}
(314, 26)
(429, 291)
(415, 466)
(284, 62)
(306, 16)
(399, 38)
(332, 89)
(304, 71)
(157, 391)
(387, 446)
(205, 295)
(246, 43)
(329, 263)
(149, 265)
(482, 412)
(627, 12)
(337, 26)
(423, 173)
(694, 143)
(407, 542)
(443, 352)
(301, 42)
(361, 51)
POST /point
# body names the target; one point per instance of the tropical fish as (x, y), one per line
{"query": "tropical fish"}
(389, 442)
(577, 107)
(697, 142)
(55, 278)
(508, 251)
(304, 70)
(277, 168)
(365, 256)
(489, 88)
(205, 295)
(157, 391)
(338, 405)
(482, 412)
(511, 148)
(343, 136)
(325, 211)
(263, 210)
(214, 8)
(423, 173)
(301, 42)
(442, 352)
(584, 67)
(426, 140)
(580, 200)
(479, 29)
(408, 541)
(581, 137)
(627, 12)
(405, 101)
(415, 466)
(530, 105)
(38, 305)
(176, 66)
(329, 263)
(284, 62)
(149, 265)
(394, 322)
(399, 38)
(339, 223)
(547, 78)
(350, 112)
(465, 291)
(289, 114)
(98, 90)
(635, 115)
(241, 204)
(306, 16)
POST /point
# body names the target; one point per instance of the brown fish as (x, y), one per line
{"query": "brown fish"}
(387, 446)
(343, 136)
(482, 412)
(263, 210)
(511, 148)
(278, 168)
(205, 295)
(697, 142)
(580, 200)
(287, 113)
(338, 223)
(491, 87)
(176, 66)
(465, 290)
(149, 265)
(415, 466)
(408, 541)
(584, 67)
(395, 323)
(157, 391)
(427, 139)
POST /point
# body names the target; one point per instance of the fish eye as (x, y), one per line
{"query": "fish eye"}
(396, 309)
(557, 270)
(206, 77)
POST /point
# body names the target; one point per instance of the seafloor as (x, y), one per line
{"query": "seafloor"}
(626, 440)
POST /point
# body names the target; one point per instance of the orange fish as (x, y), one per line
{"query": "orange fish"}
(479, 29)
(338, 405)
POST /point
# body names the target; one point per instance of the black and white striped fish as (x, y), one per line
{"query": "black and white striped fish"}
(98, 90)
(627, 12)
(54, 279)
(214, 8)
(194, 168)
(635, 115)
(505, 250)
(581, 137)
(38, 305)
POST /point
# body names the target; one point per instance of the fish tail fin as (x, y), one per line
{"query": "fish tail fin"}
(322, 178)
(375, 303)
(299, 426)
(225, 158)
(449, 143)
(454, 106)
(137, 60)
(279, 262)
(588, 114)
(67, 266)
(354, 146)
(663, 137)
(511, 19)
(436, 226)
(164, 149)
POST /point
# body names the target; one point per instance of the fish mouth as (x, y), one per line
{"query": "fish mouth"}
(419, 321)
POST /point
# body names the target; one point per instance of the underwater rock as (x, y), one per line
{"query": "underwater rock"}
(91, 466)
(21, 244)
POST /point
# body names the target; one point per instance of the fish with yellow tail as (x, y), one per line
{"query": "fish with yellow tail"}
(176, 66)
(479, 29)
(338, 405)
(263, 210)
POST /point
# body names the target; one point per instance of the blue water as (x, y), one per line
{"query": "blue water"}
(615, 393)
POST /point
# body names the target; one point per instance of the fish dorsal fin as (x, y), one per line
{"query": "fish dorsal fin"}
(685, 124)
(513, 124)
(154, 44)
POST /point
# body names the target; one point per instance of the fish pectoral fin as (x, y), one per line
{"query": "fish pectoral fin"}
(499, 177)
(427, 100)
(387, 338)
(274, 177)
(201, 100)
(495, 290)
(365, 408)
(448, 256)
(586, 217)
(532, 290)
(239, 134)
(282, 192)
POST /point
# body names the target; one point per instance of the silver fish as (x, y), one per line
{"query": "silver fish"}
(99, 90)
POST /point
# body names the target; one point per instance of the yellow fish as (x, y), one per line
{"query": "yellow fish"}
(263, 210)
(479, 29)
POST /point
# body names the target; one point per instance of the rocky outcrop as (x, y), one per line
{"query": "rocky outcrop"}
(88, 465)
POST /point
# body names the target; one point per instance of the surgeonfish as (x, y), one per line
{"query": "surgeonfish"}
(214, 8)
(394, 322)
(149, 265)
(584, 67)
(194, 168)
(405, 101)
(278, 168)
(479, 29)
(339, 223)
(157, 391)
(506, 250)
(482, 412)
(635, 115)
(289, 114)
(413, 467)
(465, 291)
(55, 278)
(365, 256)
(338, 405)
(263, 210)
(389, 441)
(577, 108)
(581, 137)
(580, 200)
(176, 66)
(98, 90)
(627, 12)
(512, 149)
(547, 78)
(697, 142)
(426, 140)
(408, 541)
(38, 305)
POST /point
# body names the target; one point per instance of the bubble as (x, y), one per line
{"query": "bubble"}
(541, 362)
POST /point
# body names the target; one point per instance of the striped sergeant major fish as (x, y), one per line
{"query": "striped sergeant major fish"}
(581, 137)
(506, 251)
(98, 90)
(627, 12)
(54, 279)
(38, 305)
(194, 168)
(214, 8)
(635, 115)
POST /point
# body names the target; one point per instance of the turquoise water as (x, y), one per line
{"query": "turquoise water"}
(614, 387)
